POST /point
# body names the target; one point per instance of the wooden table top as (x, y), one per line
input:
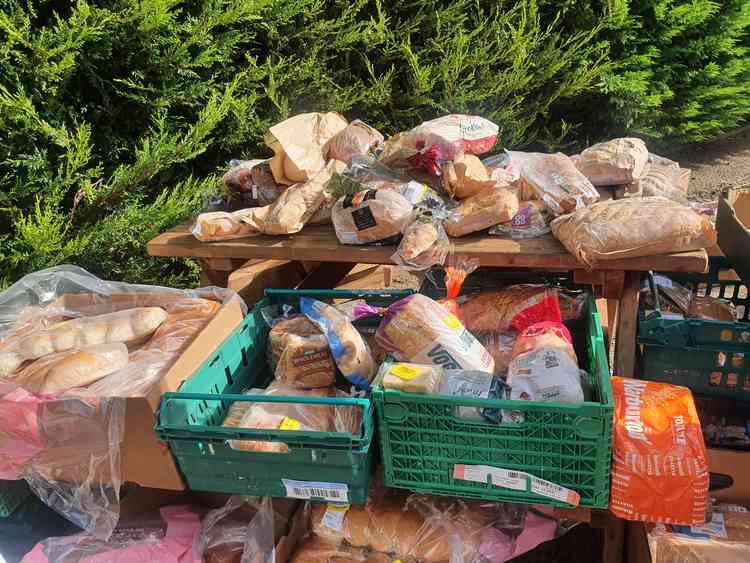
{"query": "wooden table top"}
(319, 244)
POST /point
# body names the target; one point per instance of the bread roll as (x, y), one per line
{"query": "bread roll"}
(59, 372)
(299, 354)
(424, 244)
(489, 207)
(628, 228)
(416, 329)
(614, 163)
(371, 216)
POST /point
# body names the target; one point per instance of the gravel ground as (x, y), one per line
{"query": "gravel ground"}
(716, 166)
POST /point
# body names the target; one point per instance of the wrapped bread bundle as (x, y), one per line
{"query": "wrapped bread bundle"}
(711, 308)
(299, 355)
(220, 225)
(62, 371)
(423, 245)
(371, 216)
(530, 221)
(486, 209)
(355, 139)
(511, 308)
(412, 378)
(239, 177)
(466, 176)
(416, 329)
(628, 228)
(614, 163)
(555, 179)
(298, 144)
(439, 140)
(663, 180)
(126, 326)
(296, 205)
(323, 216)
(349, 350)
(279, 416)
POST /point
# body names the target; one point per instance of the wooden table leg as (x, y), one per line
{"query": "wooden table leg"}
(627, 326)
(215, 271)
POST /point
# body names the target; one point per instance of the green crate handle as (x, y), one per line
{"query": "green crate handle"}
(164, 428)
(338, 293)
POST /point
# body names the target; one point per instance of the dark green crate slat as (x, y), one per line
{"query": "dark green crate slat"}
(421, 439)
(12, 494)
(192, 426)
(708, 357)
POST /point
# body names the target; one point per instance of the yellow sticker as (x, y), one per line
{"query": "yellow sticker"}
(397, 561)
(289, 424)
(336, 507)
(402, 371)
(452, 322)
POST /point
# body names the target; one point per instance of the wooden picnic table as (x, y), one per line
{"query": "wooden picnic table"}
(618, 281)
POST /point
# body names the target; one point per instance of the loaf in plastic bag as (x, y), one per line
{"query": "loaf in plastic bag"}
(349, 350)
(424, 244)
(555, 180)
(658, 453)
(299, 355)
(515, 307)
(371, 216)
(486, 209)
(664, 181)
(239, 177)
(712, 309)
(439, 140)
(174, 543)
(614, 163)
(298, 144)
(530, 221)
(416, 329)
(355, 139)
(632, 227)
(221, 225)
(466, 176)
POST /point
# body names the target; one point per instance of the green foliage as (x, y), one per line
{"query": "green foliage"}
(117, 116)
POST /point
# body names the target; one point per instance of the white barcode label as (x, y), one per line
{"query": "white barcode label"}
(663, 281)
(336, 492)
(334, 516)
(516, 480)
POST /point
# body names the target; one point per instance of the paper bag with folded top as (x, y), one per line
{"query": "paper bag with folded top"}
(298, 144)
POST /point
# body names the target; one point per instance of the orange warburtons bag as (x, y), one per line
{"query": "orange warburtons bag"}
(659, 465)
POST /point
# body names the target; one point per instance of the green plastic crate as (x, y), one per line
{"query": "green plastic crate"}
(422, 440)
(190, 420)
(709, 357)
(12, 495)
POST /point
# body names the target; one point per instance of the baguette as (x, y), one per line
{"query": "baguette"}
(59, 372)
(125, 326)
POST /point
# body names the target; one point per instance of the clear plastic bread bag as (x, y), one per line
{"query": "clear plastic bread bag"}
(530, 221)
(173, 541)
(423, 245)
(371, 216)
(355, 139)
(66, 443)
(244, 530)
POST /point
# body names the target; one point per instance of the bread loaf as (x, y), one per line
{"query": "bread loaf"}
(299, 354)
(371, 216)
(416, 329)
(664, 181)
(614, 163)
(466, 176)
(514, 307)
(556, 180)
(220, 225)
(316, 551)
(61, 371)
(412, 378)
(476, 213)
(355, 139)
(424, 244)
(628, 228)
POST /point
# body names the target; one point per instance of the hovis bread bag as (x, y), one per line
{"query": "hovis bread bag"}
(659, 465)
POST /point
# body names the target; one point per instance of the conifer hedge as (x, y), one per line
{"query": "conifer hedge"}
(118, 116)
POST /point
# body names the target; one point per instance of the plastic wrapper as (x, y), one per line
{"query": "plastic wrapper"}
(663, 180)
(261, 415)
(66, 445)
(298, 144)
(355, 139)
(614, 163)
(439, 140)
(239, 177)
(466, 176)
(530, 221)
(252, 178)
(416, 329)
(657, 453)
(712, 309)
(556, 181)
(546, 334)
(628, 228)
(244, 530)
(676, 293)
(515, 307)
(372, 174)
(423, 245)
(456, 270)
(412, 378)
(299, 355)
(172, 543)
(323, 216)
(499, 344)
(423, 197)
(222, 225)
(486, 209)
(349, 350)
(371, 216)
(724, 539)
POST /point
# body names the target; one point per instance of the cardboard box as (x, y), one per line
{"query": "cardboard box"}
(733, 228)
(143, 458)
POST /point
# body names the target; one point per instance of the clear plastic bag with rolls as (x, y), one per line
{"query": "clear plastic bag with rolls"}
(424, 244)
(72, 347)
